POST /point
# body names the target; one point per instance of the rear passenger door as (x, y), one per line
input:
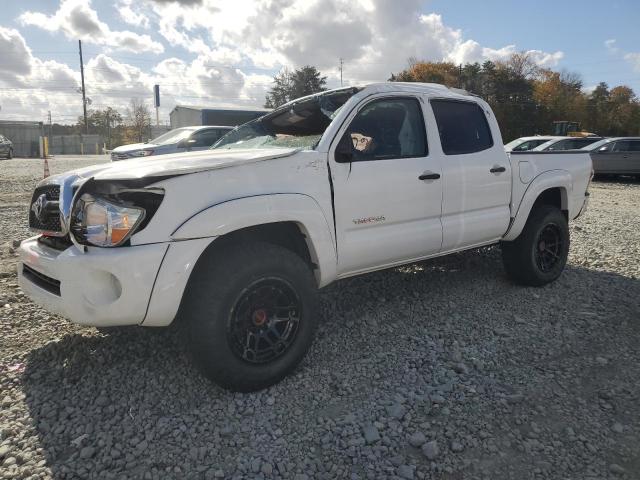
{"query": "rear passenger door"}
(476, 175)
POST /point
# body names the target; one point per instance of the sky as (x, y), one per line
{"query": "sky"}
(225, 52)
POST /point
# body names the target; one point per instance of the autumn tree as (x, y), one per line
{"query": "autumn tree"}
(288, 85)
(526, 99)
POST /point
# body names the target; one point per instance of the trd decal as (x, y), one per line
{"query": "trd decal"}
(360, 221)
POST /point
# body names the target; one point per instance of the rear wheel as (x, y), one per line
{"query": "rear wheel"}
(251, 311)
(538, 256)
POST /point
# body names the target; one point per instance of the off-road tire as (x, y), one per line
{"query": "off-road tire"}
(520, 256)
(218, 281)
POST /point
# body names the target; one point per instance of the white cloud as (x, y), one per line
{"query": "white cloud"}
(230, 49)
(77, 20)
(27, 84)
(374, 37)
(130, 14)
(611, 46)
(634, 59)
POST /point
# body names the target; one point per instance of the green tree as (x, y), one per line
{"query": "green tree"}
(105, 123)
(289, 85)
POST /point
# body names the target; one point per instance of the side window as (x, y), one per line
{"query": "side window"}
(576, 144)
(388, 128)
(560, 145)
(462, 126)
(607, 148)
(634, 146)
(523, 147)
(622, 146)
(205, 138)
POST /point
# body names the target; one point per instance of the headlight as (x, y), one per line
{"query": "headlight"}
(142, 153)
(98, 222)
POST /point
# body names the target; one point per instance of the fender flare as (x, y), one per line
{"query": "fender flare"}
(232, 215)
(545, 181)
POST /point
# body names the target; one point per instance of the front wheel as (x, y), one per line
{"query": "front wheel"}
(538, 256)
(251, 311)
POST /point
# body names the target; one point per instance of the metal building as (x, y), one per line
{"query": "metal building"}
(24, 135)
(186, 116)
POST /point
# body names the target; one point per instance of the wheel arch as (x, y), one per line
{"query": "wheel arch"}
(294, 221)
(550, 188)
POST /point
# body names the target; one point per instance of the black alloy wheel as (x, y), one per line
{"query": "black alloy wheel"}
(539, 254)
(264, 320)
(252, 312)
(549, 247)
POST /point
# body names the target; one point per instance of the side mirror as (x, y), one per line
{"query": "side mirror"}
(344, 149)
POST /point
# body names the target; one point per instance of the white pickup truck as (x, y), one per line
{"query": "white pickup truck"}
(235, 241)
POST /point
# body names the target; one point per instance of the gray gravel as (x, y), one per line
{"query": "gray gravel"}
(441, 369)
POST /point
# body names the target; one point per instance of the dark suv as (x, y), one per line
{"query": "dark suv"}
(6, 147)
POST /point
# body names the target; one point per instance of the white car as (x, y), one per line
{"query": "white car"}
(566, 143)
(524, 144)
(178, 140)
(235, 241)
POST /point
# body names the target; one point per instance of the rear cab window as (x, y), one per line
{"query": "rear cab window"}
(462, 126)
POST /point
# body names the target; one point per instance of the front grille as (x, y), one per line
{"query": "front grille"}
(49, 284)
(49, 219)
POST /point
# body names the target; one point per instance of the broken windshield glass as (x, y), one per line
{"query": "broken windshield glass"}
(298, 124)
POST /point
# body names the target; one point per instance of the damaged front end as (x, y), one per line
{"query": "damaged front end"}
(71, 209)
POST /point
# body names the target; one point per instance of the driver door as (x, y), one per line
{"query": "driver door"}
(387, 188)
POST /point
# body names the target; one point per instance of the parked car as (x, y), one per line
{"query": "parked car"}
(177, 140)
(566, 143)
(6, 147)
(524, 144)
(617, 156)
(235, 241)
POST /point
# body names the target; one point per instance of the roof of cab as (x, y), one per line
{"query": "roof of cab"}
(434, 89)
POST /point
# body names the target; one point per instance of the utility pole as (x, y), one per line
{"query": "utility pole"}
(341, 63)
(460, 77)
(49, 118)
(84, 98)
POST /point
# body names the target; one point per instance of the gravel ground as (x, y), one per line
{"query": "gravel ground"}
(441, 369)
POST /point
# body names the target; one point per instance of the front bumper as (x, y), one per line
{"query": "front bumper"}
(102, 287)
(110, 286)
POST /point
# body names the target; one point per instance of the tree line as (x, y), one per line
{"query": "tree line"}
(116, 129)
(525, 97)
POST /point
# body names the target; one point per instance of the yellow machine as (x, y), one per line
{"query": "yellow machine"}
(569, 129)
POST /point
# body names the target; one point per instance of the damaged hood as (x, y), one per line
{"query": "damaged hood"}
(181, 163)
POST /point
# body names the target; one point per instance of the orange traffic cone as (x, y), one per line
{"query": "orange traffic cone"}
(46, 168)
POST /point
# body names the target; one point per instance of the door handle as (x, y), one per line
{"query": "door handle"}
(429, 176)
(497, 169)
